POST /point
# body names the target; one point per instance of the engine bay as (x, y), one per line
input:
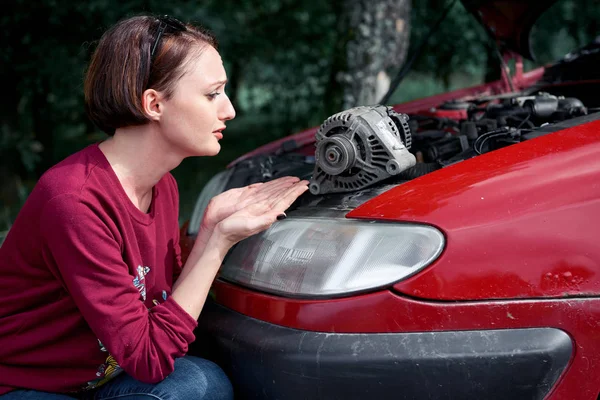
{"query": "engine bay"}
(342, 158)
(458, 130)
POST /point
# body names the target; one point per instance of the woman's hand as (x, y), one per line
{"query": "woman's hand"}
(244, 212)
(259, 215)
(234, 200)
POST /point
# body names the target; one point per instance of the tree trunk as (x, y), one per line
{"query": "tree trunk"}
(373, 39)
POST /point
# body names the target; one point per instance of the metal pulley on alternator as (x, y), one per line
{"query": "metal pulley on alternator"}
(359, 147)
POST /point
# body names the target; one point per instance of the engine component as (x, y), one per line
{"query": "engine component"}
(492, 122)
(542, 107)
(359, 147)
(445, 148)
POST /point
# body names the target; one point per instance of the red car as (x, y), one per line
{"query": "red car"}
(447, 248)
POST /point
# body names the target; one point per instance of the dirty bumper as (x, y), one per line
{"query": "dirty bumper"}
(266, 361)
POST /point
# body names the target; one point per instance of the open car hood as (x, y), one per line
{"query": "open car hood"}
(509, 21)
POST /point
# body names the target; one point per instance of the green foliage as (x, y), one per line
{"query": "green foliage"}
(457, 46)
(278, 53)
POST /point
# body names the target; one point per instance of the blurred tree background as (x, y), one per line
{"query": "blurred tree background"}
(291, 63)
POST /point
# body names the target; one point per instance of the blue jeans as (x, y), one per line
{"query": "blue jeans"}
(193, 378)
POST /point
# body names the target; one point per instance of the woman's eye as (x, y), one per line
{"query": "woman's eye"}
(213, 95)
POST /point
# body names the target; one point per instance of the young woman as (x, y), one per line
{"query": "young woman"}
(94, 301)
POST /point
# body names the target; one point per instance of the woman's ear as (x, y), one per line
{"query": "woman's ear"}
(151, 104)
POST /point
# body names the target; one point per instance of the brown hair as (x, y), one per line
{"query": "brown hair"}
(121, 68)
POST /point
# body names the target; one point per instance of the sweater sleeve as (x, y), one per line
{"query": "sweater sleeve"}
(86, 257)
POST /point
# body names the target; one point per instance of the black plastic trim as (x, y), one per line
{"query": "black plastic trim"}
(266, 361)
(559, 126)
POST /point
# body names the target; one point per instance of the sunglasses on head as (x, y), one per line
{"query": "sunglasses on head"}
(166, 23)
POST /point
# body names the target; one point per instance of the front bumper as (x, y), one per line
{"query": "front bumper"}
(266, 361)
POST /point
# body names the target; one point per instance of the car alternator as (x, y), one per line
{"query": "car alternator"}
(359, 147)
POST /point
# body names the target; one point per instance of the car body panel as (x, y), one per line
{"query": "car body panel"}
(517, 220)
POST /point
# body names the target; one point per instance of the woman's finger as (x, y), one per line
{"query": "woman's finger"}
(280, 182)
(260, 195)
(273, 192)
(231, 192)
(287, 197)
(269, 190)
(284, 191)
(255, 185)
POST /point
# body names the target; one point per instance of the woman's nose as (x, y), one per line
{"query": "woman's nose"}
(227, 111)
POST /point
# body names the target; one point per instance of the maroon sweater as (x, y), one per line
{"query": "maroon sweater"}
(85, 282)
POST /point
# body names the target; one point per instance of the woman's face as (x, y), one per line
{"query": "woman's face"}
(194, 117)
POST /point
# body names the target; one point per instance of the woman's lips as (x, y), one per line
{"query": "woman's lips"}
(218, 134)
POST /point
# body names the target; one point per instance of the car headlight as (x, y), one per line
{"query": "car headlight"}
(213, 187)
(312, 257)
